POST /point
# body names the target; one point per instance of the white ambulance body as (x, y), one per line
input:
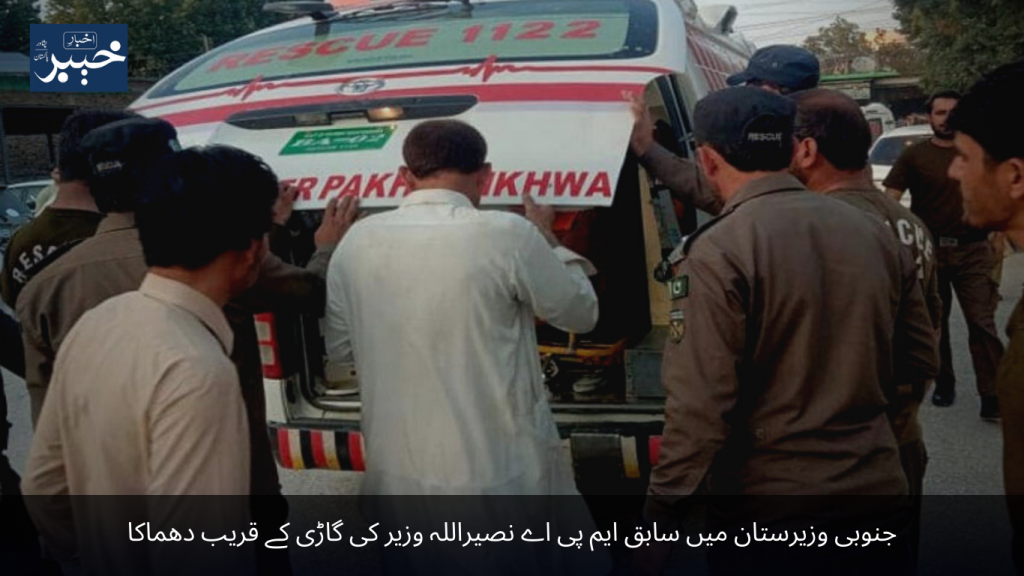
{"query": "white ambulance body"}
(327, 101)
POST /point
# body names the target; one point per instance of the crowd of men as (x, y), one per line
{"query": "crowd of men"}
(810, 318)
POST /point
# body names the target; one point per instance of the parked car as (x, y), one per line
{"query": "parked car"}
(28, 192)
(13, 214)
(888, 149)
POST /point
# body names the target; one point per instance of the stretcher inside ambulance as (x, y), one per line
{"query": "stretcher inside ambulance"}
(327, 101)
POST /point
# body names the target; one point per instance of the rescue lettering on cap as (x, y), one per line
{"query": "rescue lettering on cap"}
(765, 136)
(109, 166)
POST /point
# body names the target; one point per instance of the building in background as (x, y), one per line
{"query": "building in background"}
(31, 121)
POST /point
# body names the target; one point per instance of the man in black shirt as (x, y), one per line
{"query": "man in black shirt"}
(966, 258)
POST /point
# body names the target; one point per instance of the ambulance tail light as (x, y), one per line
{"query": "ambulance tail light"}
(270, 352)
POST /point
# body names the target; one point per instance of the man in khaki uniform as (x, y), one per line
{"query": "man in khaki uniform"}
(111, 263)
(780, 366)
(833, 140)
(779, 69)
(989, 165)
(966, 257)
(73, 215)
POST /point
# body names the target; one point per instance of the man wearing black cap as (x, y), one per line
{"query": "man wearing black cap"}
(144, 398)
(778, 69)
(71, 217)
(112, 262)
(102, 266)
(779, 365)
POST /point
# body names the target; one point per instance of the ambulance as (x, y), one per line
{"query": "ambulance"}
(327, 99)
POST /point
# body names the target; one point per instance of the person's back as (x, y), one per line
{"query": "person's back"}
(144, 398)
(433, 283)
(41, 242)
(436, 302)
(114, 450)
(911, 231)
(105, 265)
(73, 215)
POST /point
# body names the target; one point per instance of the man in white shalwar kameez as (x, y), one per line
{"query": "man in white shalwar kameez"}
(435, 302)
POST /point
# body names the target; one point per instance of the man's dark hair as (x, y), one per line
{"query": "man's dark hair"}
(438, 145)
(202, 202)
(73, 165)
(989, 113)
(943, 95)
(836, 122)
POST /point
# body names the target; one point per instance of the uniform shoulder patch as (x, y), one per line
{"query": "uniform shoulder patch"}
(677, 326)
(679, 287)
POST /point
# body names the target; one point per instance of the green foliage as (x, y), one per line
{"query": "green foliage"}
(838, 45)
(842, 42)
(15, 18)
(164, 34)
(962, 39)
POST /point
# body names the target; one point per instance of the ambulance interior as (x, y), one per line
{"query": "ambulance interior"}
(628, 242)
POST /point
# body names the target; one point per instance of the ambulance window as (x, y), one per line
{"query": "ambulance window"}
(526, 30)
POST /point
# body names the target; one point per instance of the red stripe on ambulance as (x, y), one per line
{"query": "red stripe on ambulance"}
(283, 448)
(317, 441)
(355, 451)
(581, 92)
(259, 85)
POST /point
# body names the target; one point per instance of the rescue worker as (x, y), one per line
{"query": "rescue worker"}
(112, 262)
(71, 218)
(989, 165)
(833, 140)
(779, 69)
(779, 366)
(782, 69)
(966, 257)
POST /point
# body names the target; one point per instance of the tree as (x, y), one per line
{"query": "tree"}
(962, 39)
(899, 57)
(838, 45)
(164, 34)
(842, 42)
(15, 18)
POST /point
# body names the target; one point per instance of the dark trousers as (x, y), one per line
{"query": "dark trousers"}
(967, 270)
(914, 459)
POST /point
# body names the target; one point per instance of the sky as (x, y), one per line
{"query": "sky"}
(766, 22)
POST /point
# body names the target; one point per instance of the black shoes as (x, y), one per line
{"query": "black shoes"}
(989, 408)
(943, 399)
